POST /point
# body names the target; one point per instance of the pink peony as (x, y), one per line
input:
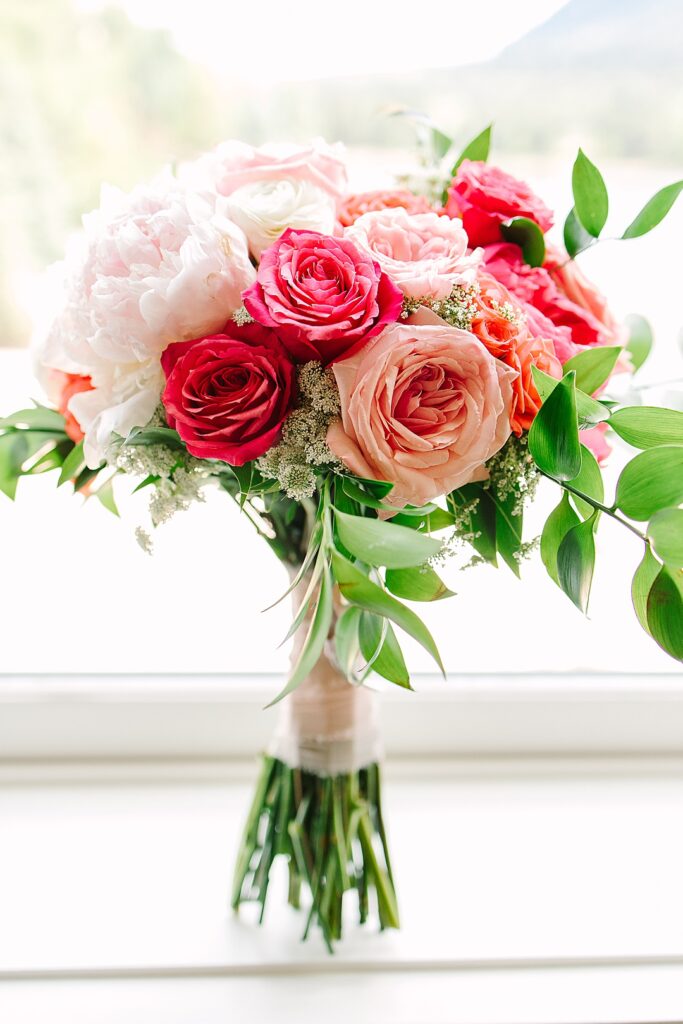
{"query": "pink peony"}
(155, 266)
(322, 295)
(485, 197)
(355, 205)
(423, 406)
(423, 253)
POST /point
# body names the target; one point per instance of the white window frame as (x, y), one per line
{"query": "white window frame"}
(117, 717)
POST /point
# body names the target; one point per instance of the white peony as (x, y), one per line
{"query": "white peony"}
(157, 265)
(264, 209)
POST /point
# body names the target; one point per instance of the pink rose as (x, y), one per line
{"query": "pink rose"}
(558, 301)
(228, 395)
(423, 406)
(234, 164)
(595, 440)
(485, 197)
(322, 295)
(355, 205)
(423, 253)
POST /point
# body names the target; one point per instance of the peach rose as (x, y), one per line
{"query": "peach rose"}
(354, 206)
(423, 253)
(500, 326)
(424, 406)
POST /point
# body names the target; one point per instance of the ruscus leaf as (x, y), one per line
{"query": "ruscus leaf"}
(420, 584)
(654, 211)
(384, 544)
(651, 481)
(590, 195)
(576, 561)
(554, 434)
(386, 660)
(647, 426)
(576, 238)
(665, 530)
(665, 612)
(643, 578)
(528, 236)
(558, 524)
(640, 339)
(593, 367)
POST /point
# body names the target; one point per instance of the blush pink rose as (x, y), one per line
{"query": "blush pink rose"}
(423, 253)
(485, 197)
(234, 164)
(596, 441)
(355, 205)
(322, 295)
(423, 406)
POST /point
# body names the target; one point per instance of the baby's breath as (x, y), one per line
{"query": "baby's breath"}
(458, 309)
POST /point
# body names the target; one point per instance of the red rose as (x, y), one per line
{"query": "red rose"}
(485, 197)
(322, 295)
(227, 395)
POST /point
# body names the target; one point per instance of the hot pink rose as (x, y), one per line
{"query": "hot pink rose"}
(228, 395)
(423, 406)
(485, 197)
(558, 301)
(354, 206)
(423, 253)
(322, 295)
(234, 164)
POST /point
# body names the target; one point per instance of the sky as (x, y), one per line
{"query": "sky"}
(245, 39)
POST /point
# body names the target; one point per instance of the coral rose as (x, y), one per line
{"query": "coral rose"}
(423, 253)
(321, 295)
(74, 384)
(485, 197)
(500, 325)
(227, 395)
(423, 406)
(355, 205)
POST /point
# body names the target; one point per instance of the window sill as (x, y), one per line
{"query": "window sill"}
(529, 891)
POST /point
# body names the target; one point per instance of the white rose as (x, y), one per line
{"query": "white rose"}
(264, 209)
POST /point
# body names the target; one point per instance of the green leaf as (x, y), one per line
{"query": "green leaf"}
(554, 434)
(105, 495)
(651, 481)
(381, 543)
(359, 590)
(315, 638)
(640, 339)
(589, 411)
(355, 491)
(558, 524)
(155, 435)
(589, 481)
(477, 149)
(509, 531)
(382, 651)
(16, 448)
(665, 530)
(576, 238)
(665, 612)
(420, 584)
(647, 426)
(434, 521)
(590, 195)
(528, 236)
(593, 367)
(482, 518)
(36, 418)
(576, 561)
(346, 642)
(643, 578)
(654, 211)
(72, 465)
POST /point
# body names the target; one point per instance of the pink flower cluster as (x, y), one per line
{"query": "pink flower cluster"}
(425, 402)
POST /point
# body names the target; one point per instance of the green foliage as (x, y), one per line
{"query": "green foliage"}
(359, 590)
(590, 195)
(509, 531)
(646, 426)
(576, 238)
(381, 650)
(576, 561)
(651, 481)
(654, 211)
(554, 434)
(643, 578)
(561, 520)
(383, 544)
(665, 612)
(315, 638)
(476, 149)
(640, 339)
(528, 236)
(346, 640)
(417, 584)
(593, 367)
(589, 482)
(589, 411)
(665, 530)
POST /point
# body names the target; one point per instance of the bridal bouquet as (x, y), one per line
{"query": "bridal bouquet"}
(379, 380)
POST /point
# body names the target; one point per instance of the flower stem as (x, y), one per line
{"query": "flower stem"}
(611, 512)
